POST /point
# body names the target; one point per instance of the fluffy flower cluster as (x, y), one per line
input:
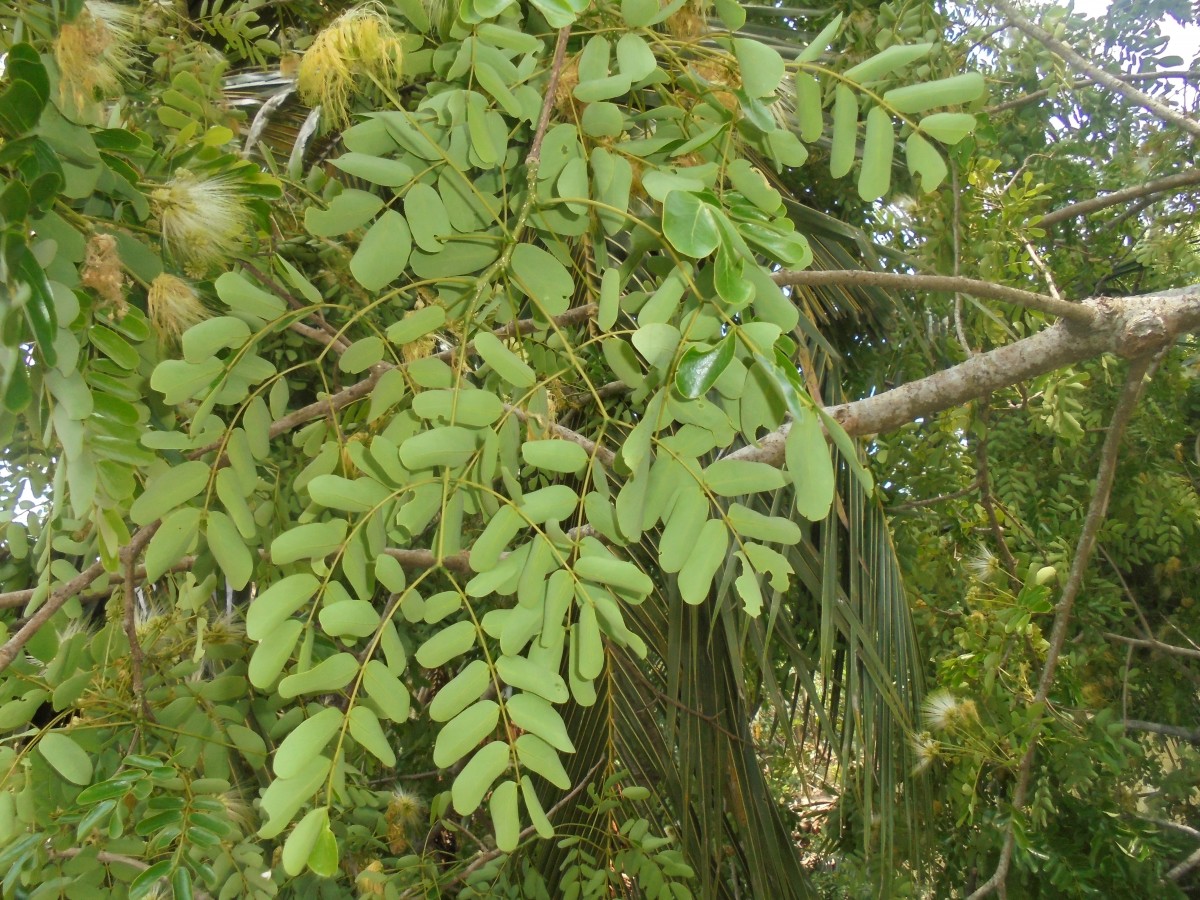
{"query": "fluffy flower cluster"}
(174, 307)
(203, 220)
(356, 49)
(94, 52)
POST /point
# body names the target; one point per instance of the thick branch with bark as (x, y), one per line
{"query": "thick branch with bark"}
(1126, 326)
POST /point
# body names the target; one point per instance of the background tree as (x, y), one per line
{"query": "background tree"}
(430, 467)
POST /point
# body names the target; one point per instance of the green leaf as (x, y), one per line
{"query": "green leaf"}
(477, 776)
(348, 210)
(66, 757)
(617, 573)
(734, 477)
(809, 465)
(947, 127)
(525, 675)
(450, 642)
(505, 819)
(331, 674)
(324, 860)
(240, 295)
(845, 131)
(229, 549)
(305, 741)
(386, 172)
(503, 361)
(463, 406)
(635, 58)
(427, 217)
(699, 368)
(313, 541)
(690, 224)
(277, 603)
(172, 540)
(383, 254)
(357, 495)
(821, 42)
(657, 342)
(460, 691)
(449, 445)
(534, 753)
(587, 645)
(416, 324)
(750, 523)
(169, 489)
(761, 67)
(917, 98)
(113, 346)
(284, 796)
(270, 656)
(147, 880)
(464, 732)
(204, 339)
(924, 160)
(365, 728)
(886, 62)
(876, 175)
(707, 556)
(537, 815)
(542, 278)
(300, 843)
(533, 714)
(355, 618)
(386, 691)
(555, 455)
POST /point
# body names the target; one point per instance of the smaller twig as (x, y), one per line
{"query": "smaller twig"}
(943, 283)
(1044, 269)
(985, 493)
(1032, 96)
(956, 240)
(427, 559)
(137, 659)
(1191, 735)
(933, 501)
(560, 55)
(1149, 188)
(1152, 644)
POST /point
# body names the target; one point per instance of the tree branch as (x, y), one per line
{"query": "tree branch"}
(1186, 74)
(1076, 312)
(58, 599)
(1191, 735)
(560, 54)
(933, 501)
(1097, 509)
(1085, 207)
(1094, 72)
(1127, 326)
(1152, 644)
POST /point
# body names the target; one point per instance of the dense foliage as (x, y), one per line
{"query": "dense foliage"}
(422, 473)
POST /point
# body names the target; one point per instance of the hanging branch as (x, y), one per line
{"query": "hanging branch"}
(1105, 474)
